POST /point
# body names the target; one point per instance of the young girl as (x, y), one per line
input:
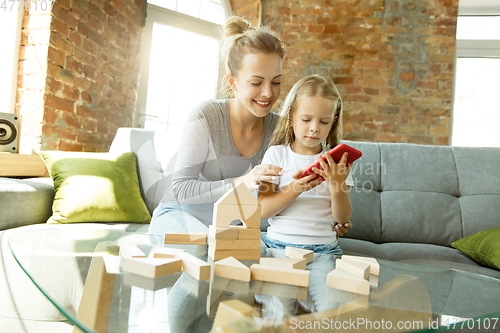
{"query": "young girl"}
(309, 212)
(306, 212)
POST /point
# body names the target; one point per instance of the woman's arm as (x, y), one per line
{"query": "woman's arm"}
(191, 157)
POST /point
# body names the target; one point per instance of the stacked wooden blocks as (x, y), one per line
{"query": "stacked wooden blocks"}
(353, 274)
(290, 270)
(165, 261)
(239, 242)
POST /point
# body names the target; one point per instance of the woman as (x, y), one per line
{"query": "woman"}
(224, 140)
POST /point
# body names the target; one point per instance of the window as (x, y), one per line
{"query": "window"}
(476, 111)
(180, 61)
(11, 18)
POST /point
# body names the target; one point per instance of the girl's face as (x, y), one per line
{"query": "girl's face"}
(257, 85)
(312, 119)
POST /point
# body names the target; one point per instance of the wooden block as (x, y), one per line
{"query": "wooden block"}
(128, 251)
(248, 214)
(152, 267)
(166, 252)
(374, 265)
(232, 285)
(18, 165)
(239, 325)
(191, 238)
(193, 266)
(235, 244)
(222, 233)
(404, 292)
(237, 254)
(295, 263)
(96, 298)
(239, 195)
(356, 268)
(195, 287)
(340, 279)
(231, 268)
(245, 233)
(230, 310)
(294, 252)
(294, 277)
(163, 282)
(373, 279)
(278, 289)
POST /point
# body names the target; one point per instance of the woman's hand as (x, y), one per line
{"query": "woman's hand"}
(260, 173)
(304, 184)
(333, 173)
(341, 229)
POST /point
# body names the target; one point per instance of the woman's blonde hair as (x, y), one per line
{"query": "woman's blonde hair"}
(241, 38)
(309, 86)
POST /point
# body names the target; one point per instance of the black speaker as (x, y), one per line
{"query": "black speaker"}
(9, 132)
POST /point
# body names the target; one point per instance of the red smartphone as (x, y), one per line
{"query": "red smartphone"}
(336, 154)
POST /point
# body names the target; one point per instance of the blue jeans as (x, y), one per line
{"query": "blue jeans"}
(186, 313)
(322, 264)
(171, 217)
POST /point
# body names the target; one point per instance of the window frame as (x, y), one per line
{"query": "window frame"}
(473, 48)
(156, 14)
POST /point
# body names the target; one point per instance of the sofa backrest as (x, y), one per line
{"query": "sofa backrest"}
(155, 152)
(423, 194)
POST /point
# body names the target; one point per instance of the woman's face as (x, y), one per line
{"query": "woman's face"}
(257, 85)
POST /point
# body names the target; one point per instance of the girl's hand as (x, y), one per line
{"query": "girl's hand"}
(304, 184)
(333, 173)
(341, 229)
(260, 173)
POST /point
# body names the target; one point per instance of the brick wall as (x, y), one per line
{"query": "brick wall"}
(391, 60)
(81, 84)
(250, 9)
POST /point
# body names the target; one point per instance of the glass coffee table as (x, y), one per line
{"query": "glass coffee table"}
(403, 298)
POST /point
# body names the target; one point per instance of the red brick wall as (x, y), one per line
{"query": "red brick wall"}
(391, 60)
(82, 85)
(250, 9)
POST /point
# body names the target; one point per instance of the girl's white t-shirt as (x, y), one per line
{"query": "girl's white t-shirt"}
(308, 219)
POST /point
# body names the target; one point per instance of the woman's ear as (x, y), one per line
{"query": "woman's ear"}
(230, 81)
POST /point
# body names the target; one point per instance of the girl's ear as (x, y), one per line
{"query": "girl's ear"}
(230, 81)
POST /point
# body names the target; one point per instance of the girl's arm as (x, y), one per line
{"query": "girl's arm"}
(336, 175)
(273, 202)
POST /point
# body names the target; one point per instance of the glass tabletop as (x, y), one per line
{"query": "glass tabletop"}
(403, 297)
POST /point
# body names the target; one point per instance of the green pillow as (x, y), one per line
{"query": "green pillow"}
(483, 247)
(95, 187)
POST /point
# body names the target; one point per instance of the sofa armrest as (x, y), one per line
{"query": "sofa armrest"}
(25, 201)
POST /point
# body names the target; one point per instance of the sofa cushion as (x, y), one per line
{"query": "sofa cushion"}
(25, 201)
(425, 254)
(156, 152)
(95, 187)
(483, 247)
(423, 194)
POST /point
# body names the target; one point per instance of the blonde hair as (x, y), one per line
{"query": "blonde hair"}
(241, 38)
(309, 86)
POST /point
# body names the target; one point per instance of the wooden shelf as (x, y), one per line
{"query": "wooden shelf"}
(17, 165)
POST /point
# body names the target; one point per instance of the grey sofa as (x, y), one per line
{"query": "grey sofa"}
(410, 202)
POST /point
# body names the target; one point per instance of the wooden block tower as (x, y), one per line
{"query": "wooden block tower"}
(240, 242)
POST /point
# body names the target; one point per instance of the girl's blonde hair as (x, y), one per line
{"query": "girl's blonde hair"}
(241, 38)
(309, 86)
